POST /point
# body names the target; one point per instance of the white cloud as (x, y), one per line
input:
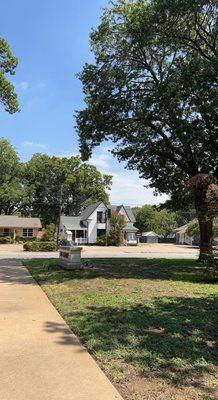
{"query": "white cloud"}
(127, 188)
(33, 145)
(101, 161)
(42, 84)
(22, 85)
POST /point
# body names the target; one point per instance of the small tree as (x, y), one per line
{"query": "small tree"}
(49, 233)
(117, 224)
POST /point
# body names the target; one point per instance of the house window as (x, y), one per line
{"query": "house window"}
(80, 234)
(6, 232)
(27, 232)
(100, 217)
(131, 236)
(101, 232)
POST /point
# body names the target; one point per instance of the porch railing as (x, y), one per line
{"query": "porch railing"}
(81, 240)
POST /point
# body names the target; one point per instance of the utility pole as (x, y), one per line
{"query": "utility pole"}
(59, 214)
(106, 216)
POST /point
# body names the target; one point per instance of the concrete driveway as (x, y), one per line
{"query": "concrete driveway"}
(141, 251)
(40, 358)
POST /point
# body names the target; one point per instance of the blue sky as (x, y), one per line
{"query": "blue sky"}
(51, 40)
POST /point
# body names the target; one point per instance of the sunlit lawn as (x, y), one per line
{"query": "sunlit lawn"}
(150, 324)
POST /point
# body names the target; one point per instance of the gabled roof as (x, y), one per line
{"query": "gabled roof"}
(12, 221)
(127, 209)
(89, 210)
(183, 228)
(150, 233)
(71, 223)
(129, 213)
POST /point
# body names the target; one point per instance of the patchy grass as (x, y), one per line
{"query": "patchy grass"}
(150, 324)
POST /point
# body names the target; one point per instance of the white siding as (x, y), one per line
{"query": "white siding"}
(93, 225)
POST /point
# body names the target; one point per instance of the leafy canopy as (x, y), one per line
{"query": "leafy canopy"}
(148, 218)
(33, 188)
(152, 89)
(12, 192)
(8, 63)
(81, 182)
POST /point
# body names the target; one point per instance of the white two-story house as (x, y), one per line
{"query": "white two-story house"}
(94, 221)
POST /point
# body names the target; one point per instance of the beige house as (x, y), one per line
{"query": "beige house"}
(181, 235)
(14, 226)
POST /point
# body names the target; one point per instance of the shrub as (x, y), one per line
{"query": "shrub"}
(25, 239)
(101, 240)
(5, 239)
(39, 246)
(114, 238)
(49, 233)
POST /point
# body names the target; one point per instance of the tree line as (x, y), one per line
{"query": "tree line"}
(33, 188)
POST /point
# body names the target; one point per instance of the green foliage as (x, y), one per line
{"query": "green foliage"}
(8, 63)
(49, 233)
(117, 224)
(193, 229)
(81, 182)
(39, 246)
(12, 192)
(148, 218)
(5, 240)
(33, 189)
(152, 89)
(101, 241)
(21, 239)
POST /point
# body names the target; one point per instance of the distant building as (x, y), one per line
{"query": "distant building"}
(183, 238)
(149, 237)
(14, 226)
(94, 221)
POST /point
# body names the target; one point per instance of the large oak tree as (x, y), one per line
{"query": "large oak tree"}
(33, 188)
(82, 184)
(12, 191)
(8, 63)
(152, 91)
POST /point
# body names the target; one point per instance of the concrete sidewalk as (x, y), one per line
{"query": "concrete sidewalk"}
(40, 358)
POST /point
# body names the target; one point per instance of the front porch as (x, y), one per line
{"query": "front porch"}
(79, 236)
(130, 236)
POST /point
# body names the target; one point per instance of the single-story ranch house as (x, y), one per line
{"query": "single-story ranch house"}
(14, 226)
(94, 221)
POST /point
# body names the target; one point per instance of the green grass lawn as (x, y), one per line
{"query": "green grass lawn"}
(150, 324)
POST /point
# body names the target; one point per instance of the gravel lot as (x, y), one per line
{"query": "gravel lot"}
(141, 251)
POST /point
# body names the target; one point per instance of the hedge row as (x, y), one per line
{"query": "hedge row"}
(25, 239)
(39, 246)
(5, 239)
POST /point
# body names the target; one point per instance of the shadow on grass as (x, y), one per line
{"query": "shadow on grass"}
(171, 339)
(157, 269)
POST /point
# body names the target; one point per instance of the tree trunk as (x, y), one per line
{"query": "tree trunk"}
(204, 190)
(206, 236)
